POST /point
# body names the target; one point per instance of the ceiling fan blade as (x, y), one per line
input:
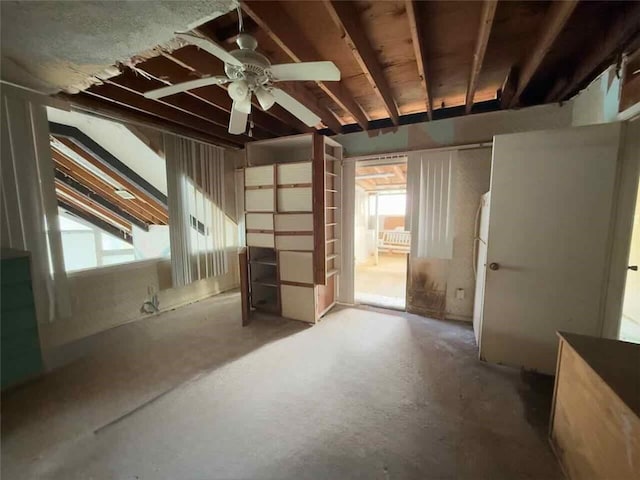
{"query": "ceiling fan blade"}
(313, 71)
(295, 107)
(184, 86)
(238, 121)
(211, 47)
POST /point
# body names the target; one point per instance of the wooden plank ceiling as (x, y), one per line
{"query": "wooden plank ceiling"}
(401, 62)
(86, 187)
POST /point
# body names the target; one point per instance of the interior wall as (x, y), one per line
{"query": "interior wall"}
(599, 102)
(432, 279)
(456, 131)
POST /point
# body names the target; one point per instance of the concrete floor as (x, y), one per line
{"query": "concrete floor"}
(364, 394)
(383, 284)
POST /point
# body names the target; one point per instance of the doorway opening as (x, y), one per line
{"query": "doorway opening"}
(381, 239)
(630, 321)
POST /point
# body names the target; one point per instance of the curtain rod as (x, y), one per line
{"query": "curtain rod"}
(468, 146)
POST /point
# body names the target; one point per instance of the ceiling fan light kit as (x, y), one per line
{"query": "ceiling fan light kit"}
(248, 73)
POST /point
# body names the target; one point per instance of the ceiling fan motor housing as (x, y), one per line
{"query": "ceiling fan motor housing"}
(255, 65)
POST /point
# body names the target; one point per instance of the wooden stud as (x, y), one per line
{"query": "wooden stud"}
(555, 20)
(345, 16)
(419, 50)
(291, 39)
(486, 22)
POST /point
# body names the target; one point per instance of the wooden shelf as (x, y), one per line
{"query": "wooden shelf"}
(331, 157)
(332, 272)
(332, 174)
(333, 240)
(333, 256)
(330, 224)
(266, 282)
(262, 261)
(332, 191)
(331, 208)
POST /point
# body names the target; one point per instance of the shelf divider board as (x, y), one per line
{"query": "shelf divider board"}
(319, 186)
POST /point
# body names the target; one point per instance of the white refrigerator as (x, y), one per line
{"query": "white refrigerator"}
(480, 261)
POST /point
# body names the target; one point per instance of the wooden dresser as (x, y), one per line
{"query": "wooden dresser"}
(595, 416)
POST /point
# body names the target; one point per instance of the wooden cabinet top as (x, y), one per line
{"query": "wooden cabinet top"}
(617, 363)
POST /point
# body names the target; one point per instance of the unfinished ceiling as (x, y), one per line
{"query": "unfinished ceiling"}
(401, 62)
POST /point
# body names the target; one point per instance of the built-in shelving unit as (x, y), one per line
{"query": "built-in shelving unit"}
(292, 218)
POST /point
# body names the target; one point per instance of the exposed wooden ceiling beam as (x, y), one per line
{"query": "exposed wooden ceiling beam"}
(126, 98)
(486, 22)
(623, 31)
(345, 16)
(100, 106)
(304, 96)
(152, 205)
(419, 51)
(554, 21)
(96, 203)
(137, 83)
(283, 30)
(171, 71)
(400, 173)
(79, 212)
(74, 171)
(202, 62)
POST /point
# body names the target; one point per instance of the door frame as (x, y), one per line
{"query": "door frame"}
(621, 227)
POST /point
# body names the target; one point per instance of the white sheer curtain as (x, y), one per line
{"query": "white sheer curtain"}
(29, 209)
(196, 197)
(431, 193)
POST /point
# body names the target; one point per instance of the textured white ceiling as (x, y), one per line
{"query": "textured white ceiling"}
(55, 45)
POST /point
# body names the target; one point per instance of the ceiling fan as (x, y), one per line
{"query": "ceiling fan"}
(248, 73)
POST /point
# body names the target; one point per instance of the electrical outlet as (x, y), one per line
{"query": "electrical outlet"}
(460, 294)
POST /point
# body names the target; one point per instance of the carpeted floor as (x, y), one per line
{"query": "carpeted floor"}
(365, 394)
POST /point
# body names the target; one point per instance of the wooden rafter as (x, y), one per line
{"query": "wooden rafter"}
(554, 21)
(151, 204)
(94, 183)
(96, 104)
(419, 51)
(400, 173)
(128, 98)
(82, 201)
(625, 29)
(486, 22)
(184, 102)
(170, 71)
(345, 16)
(288, 36)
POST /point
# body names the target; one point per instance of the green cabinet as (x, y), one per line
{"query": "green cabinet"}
(20, 354)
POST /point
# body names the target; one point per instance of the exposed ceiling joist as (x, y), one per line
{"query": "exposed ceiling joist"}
(419, 51)
(153, 206)
(623, 31)
(73, 171)
(291, 39)
(125, 97)
(486, 22)
(555, 20)
(185, 102)
(164, 70)
(305, 97)
(94, 220)
(98, 105)
(202, 62)
(345, 16)
(85, 196)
